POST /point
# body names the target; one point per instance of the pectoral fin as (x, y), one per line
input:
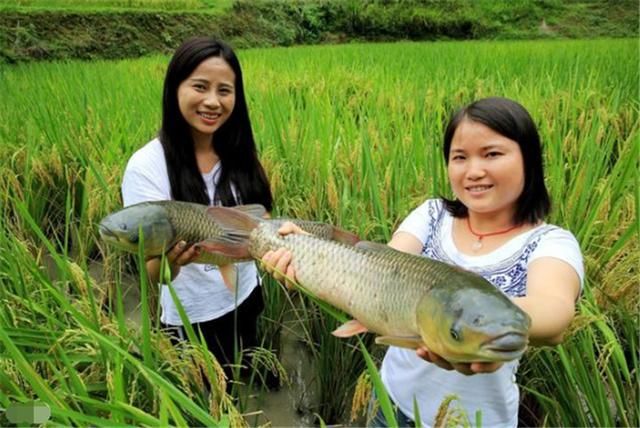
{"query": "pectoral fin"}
(220, 247)
(350, 328)
(411, 342)
(229, 276)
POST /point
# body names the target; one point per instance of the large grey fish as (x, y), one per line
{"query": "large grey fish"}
(406, 299)
(164, 223)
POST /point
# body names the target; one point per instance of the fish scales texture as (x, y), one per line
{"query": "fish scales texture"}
(192, 224)
(381, 289)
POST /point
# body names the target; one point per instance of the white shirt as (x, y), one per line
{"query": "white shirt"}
(199, 287)
(495, 395)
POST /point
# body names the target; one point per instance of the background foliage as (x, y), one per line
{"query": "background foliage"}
(60, 29)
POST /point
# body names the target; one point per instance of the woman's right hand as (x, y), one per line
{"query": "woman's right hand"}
(179, 255)
(464, 368)
(278, 263)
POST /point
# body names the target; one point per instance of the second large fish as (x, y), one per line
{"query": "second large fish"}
(163, 223)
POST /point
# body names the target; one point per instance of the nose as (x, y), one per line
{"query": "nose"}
(211, 100)
(476, 169)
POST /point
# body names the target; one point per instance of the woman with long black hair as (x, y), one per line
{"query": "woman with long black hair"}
(205, 153)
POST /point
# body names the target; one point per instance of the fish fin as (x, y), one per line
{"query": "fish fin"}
(229, 276)
(345, 236)
(255, 210)
(411, 342)
(233, 250)
(332, 232)
(350, 328)
(373, 246)
(236, 223)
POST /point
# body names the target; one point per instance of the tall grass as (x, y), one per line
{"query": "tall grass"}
(348, 134)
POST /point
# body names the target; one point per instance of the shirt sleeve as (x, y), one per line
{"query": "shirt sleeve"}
(562, 245)
(419, 222)
(138, 186)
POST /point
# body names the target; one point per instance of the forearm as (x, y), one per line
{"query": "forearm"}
(549, 318)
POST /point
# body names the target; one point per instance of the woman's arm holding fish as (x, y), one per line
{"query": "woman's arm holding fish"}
(552, 289)
(179, 255)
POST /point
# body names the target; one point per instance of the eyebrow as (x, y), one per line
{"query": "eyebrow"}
(492, 147)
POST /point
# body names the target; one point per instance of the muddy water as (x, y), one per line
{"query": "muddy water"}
(292, 405)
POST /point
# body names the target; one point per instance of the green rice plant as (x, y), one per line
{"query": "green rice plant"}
(595, 368)
(70, 356)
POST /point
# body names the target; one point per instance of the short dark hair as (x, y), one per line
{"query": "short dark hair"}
(512, 120)
(233, 141)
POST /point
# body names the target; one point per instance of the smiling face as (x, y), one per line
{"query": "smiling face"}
(486, 169)
(207, 97)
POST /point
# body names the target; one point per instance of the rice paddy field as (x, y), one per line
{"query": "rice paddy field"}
(348, 134)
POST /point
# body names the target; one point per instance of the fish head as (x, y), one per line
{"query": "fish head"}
(123, 228)
(472, 321)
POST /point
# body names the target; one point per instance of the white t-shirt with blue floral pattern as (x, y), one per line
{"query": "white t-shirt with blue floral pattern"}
(496, 394)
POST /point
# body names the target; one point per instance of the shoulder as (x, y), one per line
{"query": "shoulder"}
(422, 221)
(429, 208)
(145, 177)
(148, 157)
(554, 241)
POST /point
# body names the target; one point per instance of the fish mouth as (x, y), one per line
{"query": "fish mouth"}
(105, 232)
(507, 346)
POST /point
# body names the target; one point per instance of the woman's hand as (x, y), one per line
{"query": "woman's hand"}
(464, 368)
(179, 255)
(278, 263)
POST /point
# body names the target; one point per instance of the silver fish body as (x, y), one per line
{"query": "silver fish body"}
(164, 223)
(455, 313)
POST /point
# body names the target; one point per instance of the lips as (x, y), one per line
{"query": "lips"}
(209, 118)
(478, 188)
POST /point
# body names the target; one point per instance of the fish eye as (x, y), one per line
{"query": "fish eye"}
(455, 335)
(123, 226)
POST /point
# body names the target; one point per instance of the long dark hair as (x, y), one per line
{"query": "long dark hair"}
(233, 142)
(511, 120)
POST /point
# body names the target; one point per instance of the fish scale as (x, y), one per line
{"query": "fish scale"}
(363, 283)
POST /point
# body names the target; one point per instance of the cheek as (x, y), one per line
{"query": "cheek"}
(182, 102)
(230, 103)
(454, 173)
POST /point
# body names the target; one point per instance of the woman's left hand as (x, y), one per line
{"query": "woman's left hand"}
(278, 262)
(464, 368)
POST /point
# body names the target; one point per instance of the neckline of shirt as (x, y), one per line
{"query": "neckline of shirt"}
(503, 251)
(213, 171)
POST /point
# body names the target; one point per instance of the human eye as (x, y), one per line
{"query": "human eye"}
(494, 154)
(457, 157)
(225, 90)
(200, 87)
